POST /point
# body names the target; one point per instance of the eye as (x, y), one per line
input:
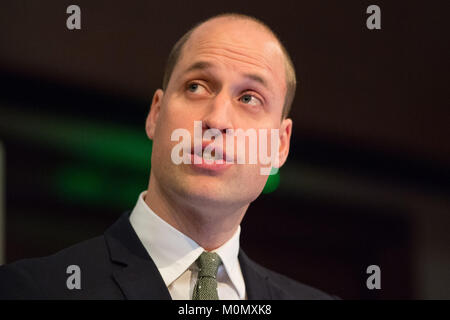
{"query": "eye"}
(195, 87)
(250, 100)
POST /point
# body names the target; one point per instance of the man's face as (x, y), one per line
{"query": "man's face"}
(231, 75)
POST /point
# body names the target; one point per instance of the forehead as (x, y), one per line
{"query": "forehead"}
(241, 45)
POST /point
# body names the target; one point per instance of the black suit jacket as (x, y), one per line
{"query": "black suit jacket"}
(117, 266)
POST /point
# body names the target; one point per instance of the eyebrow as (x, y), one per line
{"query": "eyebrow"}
(203, 65)
(199, 65)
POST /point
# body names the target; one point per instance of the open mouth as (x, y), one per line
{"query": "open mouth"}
(215, 160)
(216, 154)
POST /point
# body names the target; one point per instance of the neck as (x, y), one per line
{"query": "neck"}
(210, 224)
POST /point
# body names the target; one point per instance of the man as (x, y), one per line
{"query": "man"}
(181, 240)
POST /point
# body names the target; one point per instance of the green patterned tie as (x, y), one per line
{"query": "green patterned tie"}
(206, 286)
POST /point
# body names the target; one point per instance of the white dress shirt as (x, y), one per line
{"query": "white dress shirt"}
(175, 254)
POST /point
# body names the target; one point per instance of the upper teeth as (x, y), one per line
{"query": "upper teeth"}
(207, 155)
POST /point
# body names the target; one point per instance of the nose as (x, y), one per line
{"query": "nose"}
(219, 113)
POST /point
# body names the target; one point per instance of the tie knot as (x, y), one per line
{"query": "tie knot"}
(208, 264)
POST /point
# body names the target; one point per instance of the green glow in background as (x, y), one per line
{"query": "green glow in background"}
(109, 163)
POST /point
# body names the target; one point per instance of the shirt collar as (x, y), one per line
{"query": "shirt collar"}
(228, 252)
(173, 252)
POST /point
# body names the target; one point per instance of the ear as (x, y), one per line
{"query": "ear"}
(152, 117)
(285, 140)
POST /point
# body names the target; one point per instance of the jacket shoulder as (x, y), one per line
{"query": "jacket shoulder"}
(285, 288)
(46, 277)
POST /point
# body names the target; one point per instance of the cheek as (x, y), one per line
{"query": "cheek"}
(267, 141)
(170, 119)
(177, 114)
(252, 181)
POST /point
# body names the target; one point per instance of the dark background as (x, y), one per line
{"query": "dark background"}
(367, 180)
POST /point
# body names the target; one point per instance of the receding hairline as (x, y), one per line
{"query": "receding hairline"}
(290, 78)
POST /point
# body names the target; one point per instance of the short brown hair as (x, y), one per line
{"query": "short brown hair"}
(291, 82)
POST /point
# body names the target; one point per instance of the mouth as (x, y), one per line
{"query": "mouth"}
(216, 160)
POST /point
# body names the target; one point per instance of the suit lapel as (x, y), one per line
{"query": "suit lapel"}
(256, 283)
(134, 271)
(138, 277)
(140, 282)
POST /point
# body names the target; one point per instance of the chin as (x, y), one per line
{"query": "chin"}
(206, 191)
